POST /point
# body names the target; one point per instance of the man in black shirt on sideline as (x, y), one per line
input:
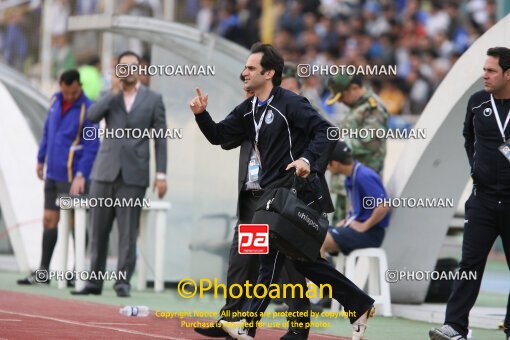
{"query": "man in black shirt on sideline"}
(245, 267)
(487, 212)
(287, 133)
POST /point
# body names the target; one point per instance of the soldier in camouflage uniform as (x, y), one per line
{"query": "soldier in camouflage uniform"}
(366, 112)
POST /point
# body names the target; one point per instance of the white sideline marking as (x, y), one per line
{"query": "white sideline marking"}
(117, 323)
(77, 323)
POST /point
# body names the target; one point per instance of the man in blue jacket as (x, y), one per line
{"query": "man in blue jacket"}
(68, 158)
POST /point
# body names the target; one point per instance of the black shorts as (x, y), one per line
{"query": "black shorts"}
(53, 190)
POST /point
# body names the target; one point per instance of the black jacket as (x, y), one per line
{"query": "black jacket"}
(490, 170)
(292, 128)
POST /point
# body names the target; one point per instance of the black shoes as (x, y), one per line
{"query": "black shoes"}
(40, 276)
(296, 334)
(89, 289)
(122, 290)
(212, 332)
(37, 277)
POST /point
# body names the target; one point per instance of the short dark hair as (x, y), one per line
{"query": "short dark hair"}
(271, 60)
(357, 79)
(70, 76)
(503, 54)
(128, 53)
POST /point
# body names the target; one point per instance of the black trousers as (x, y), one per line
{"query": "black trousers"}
(485, 221)
(355, 301)
(128, 220)
(242, 267)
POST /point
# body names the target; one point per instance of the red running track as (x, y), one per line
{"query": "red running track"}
(30, 316)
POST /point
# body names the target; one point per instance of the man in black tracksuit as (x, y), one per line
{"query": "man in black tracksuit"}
(287, 133)
(245, 267)
(487, 211)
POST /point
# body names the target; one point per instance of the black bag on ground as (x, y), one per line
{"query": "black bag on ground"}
(295, 228)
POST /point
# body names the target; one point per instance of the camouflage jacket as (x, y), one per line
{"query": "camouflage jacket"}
(367, 113)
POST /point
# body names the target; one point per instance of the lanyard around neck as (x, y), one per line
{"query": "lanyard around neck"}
(502, 128)
(259, 124)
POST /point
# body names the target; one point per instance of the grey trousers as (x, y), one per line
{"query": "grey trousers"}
(128, 220)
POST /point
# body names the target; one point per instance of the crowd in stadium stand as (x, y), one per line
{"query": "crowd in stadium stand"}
(422, 38)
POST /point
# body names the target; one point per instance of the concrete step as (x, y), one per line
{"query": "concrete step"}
(480, 317)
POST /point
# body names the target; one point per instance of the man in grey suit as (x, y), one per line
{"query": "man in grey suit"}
(121, 171)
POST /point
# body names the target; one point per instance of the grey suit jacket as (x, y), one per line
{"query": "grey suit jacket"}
(129, 155)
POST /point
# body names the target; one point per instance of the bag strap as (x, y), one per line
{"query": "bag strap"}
(312, 183)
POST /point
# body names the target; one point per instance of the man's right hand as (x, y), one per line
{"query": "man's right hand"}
(40, 170)
(199, 103)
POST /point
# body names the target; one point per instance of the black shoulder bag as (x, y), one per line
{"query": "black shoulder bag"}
(295, 228)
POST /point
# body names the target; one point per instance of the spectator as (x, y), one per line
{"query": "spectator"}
(418, 90)
(364, 226)
(205, 16)
(90, 75)
(438, 20)
(15, 43)
(374, 32)
(63, 57)
(59, 13)
(392, 97)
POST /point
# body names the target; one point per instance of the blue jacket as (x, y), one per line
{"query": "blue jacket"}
(63, 148)
(365, 184)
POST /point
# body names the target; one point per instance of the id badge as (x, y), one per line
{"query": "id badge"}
(505, 149)
(253, 171)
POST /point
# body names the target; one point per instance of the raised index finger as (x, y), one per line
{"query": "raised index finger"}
(198, 92)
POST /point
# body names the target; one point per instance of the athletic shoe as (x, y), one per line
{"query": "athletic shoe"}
(238, 329)
(445, 332)
(360, 326)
